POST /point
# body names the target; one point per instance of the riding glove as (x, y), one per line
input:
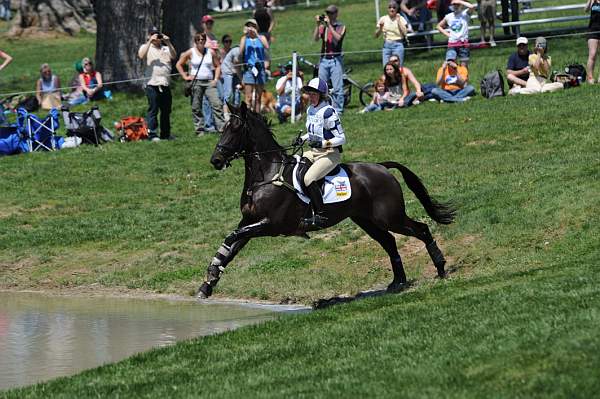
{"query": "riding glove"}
(315, 142)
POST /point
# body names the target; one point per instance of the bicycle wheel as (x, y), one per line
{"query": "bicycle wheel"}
(366, 94)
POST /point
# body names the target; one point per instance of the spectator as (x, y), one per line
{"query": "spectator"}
(264, 18)
(455, 26)
(252, 47)
(539, 65)
(91, 84)
(5, 12)
(397, 83)
(7, 59)
(158, 53)
(331, 32)
(517, 68)
(76, 90)
(284, 95)
(230, 76)
(380, 99)
(204, 73)
(417, 13)
(47, 89)
(208, 24)
(593, 6)
(393, 26)
(442, 9)
(453, 81)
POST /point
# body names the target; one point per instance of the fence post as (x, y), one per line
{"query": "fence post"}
(514, 10)
(376, 11)
(294, 88)
(505, 16)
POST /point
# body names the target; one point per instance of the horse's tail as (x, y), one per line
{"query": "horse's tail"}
(440, 212)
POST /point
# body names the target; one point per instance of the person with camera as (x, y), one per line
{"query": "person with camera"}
(539, 70)
(253, 49)
(331, 32)
(325, 136)
(203, 73)
(394, 29)
(157, 54)
(453, 81)
(284, 88)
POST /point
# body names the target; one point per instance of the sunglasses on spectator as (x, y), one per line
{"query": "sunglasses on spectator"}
(226, 41)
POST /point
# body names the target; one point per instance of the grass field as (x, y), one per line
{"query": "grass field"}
(517, 317)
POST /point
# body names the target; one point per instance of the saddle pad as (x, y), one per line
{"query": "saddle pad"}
(336, 188)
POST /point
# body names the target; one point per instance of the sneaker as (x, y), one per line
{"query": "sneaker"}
(416, 102)
(466, 99)
(172, 137)
(155, 139)
(493, 43)
(432, 100)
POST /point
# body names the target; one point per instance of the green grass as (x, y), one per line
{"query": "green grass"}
(518, 316)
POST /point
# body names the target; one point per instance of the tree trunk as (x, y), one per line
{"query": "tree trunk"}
(122, 29)
(45, 16)
(181, 20)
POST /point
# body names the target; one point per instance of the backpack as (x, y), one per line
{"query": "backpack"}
(577, 71)
(132, 128)
(492, 85)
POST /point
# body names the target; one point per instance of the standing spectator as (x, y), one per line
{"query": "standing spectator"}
(208, 24)
(284, 95)
(230, 76)
(5, 12)
(264, 18)
(486, 12)
(331, 32)
(393, 26)
(417, 13)
(204, 71)
(593, 6)
(455, 26)
(47, 89)
(517, 68)
(539, 65)
(158, 53)
(442, 9)
(252, 47)
(7, 59)
(453, 81)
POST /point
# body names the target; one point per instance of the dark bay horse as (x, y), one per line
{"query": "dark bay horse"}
(271, 208)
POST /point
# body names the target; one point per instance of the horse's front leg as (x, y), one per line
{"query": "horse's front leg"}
(233, 243)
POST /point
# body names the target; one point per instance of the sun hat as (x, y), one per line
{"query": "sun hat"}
(522, 40)
(251, 21)
(316, 84)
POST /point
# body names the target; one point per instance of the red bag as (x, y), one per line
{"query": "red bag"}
(132, 128)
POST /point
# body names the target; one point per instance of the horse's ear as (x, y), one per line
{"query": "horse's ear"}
(243, 110)
(232, 108)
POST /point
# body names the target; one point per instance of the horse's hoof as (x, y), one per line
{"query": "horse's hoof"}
(204, 291)
(395, 287)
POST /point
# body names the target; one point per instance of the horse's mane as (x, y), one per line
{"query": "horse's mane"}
(261, 131)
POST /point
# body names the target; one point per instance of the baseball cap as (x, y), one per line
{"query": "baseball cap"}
(207, 18)
(541, 42)
(251, 21)
(331, 9)
(152, 30)
(451, 55)
(522, 40)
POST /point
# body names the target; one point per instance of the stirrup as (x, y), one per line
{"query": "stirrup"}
(316, 220)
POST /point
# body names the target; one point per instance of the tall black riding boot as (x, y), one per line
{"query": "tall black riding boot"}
(316, 200)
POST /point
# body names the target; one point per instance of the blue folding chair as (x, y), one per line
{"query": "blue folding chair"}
(40, 134)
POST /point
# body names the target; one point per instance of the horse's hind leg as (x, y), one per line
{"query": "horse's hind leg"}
(412, 228)
(388, 242)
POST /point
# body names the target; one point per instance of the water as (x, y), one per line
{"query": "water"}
(45, 337)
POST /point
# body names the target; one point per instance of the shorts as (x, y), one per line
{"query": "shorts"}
(594, 34)
(463, 53)
(281, 108)
(249, 78)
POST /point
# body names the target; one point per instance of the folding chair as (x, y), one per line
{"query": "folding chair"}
(85, 125)
(40, 134)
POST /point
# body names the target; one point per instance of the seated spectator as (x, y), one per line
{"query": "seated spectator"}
(284, 95)
(452, 81)
(380, 99)
(91, 84)
(455, 26)
(397, 83)
(74, 85)
(539, 66)
(517, 68)
(47, 89)
(417, 13)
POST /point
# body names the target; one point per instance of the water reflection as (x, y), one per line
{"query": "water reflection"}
(45, 337)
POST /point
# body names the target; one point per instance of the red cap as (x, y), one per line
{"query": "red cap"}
(207, 18)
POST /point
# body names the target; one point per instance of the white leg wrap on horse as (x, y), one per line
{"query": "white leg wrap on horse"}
(224, 250)
(216, 261)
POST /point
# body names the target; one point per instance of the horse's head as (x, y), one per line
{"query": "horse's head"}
(234, 138)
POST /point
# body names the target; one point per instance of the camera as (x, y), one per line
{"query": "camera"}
(322, 18)
(159, 36)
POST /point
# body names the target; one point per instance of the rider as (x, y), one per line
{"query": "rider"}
(325, 136)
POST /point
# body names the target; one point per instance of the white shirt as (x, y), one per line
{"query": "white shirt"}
(286, 97)
(458, 26)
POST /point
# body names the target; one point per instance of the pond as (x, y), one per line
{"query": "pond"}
(43, 337)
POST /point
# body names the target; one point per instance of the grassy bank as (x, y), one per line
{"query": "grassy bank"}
(518, 316)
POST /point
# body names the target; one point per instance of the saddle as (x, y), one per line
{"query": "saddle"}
(335, 186)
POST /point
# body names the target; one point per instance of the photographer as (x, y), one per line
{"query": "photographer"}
(539, 66)
(453, 81)
(158, 53)
(331, 32)
(252, 48)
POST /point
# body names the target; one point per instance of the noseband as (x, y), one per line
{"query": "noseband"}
(235, 153)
